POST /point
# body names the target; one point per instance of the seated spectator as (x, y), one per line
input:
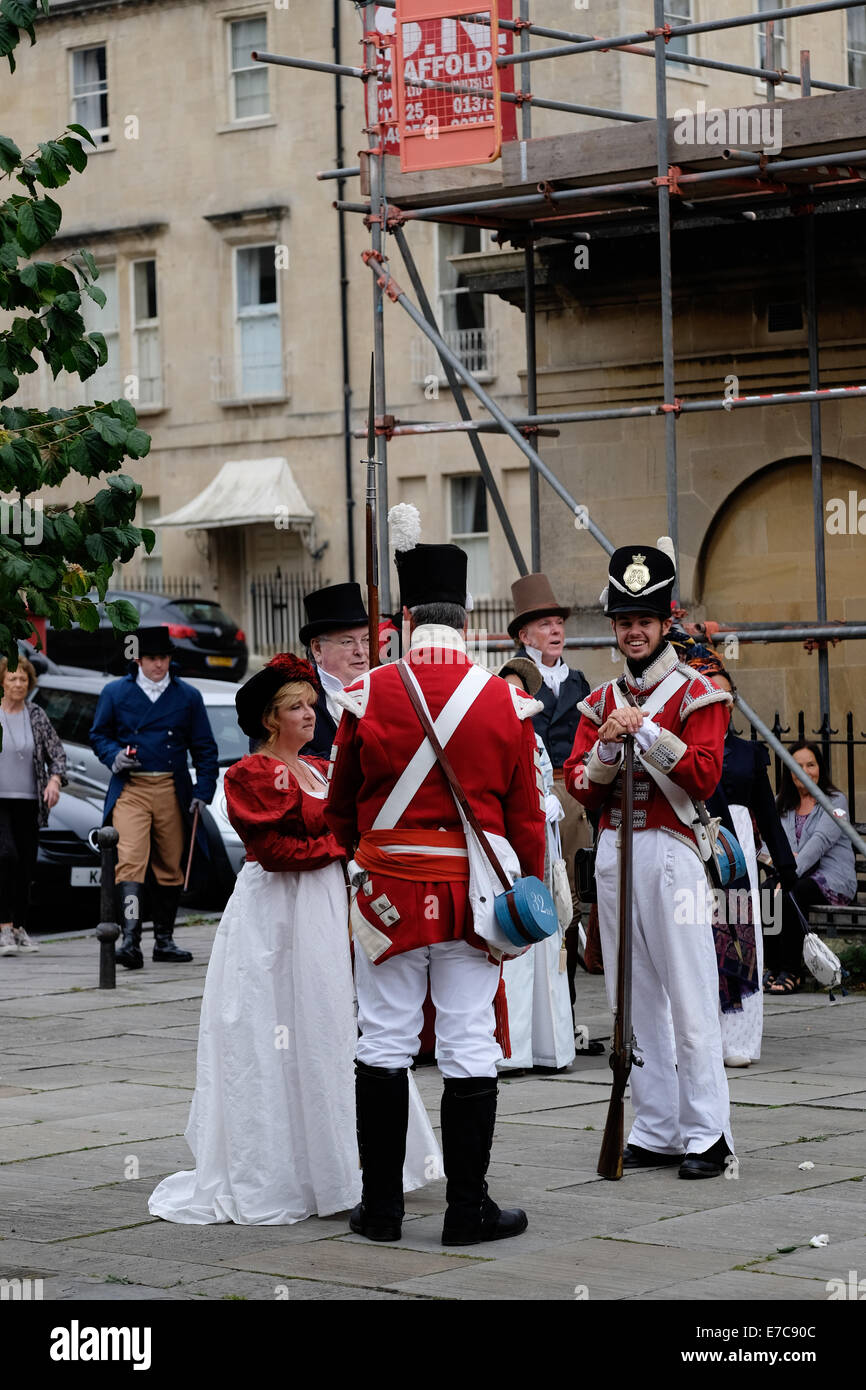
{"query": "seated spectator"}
(825, 863)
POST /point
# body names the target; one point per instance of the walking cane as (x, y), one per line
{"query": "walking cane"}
(195, 816)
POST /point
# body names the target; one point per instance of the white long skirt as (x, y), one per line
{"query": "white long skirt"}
(742, 1031)
(272, 1122)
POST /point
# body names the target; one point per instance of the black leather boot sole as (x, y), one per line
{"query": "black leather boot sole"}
(382, 1116)
(374, 1227)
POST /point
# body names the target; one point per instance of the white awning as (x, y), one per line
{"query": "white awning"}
(245, 492)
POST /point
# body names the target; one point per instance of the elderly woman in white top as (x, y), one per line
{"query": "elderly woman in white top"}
(32, 771)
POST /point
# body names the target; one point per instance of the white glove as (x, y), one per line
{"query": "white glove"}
(357, 875)
(610, 752)
(647, 734)
(553, 809)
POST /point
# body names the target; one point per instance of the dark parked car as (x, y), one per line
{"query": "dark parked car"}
(208, 642)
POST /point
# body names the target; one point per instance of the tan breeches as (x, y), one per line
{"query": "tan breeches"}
(150, 827)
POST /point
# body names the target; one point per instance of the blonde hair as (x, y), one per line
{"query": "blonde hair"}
(23, 665)
(286, 693)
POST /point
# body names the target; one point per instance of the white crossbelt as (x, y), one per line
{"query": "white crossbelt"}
(678, 799)
(424, 759)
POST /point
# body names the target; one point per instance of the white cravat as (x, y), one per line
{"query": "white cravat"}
(331, 686)
(553, 676)
(152, 689)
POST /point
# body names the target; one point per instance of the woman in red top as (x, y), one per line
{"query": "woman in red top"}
(272, 1124)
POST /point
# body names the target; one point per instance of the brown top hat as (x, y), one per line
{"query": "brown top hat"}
(533, 598)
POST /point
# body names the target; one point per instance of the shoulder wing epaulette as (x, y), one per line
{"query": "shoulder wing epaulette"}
(699, 692)
(593, 705)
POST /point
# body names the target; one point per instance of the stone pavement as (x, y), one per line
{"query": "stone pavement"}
(94, 1094)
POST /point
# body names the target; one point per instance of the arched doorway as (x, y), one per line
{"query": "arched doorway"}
(757, 564)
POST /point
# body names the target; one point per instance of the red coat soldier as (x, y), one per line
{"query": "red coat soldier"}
(391, 807)
(680, 1093)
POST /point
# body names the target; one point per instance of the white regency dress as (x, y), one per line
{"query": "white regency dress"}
(272, 1123)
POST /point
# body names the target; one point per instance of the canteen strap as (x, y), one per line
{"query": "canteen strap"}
(451, 775)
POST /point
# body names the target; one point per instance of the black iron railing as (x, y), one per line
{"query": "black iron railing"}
(277, 607)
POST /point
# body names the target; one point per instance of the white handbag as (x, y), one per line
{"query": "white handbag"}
(561, 890)
(818, 959)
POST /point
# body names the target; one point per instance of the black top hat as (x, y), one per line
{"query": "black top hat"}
(254, 696)
(640, 580)
(432, 574)
(336, 606)
(154, 641)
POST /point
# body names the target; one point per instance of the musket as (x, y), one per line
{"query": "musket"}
(372, 541)
(622, 1052)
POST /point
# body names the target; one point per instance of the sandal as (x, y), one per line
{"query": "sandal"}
(784, 983)
(766, 980)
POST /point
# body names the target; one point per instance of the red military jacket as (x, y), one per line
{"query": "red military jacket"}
(416, 893)
(690, 750)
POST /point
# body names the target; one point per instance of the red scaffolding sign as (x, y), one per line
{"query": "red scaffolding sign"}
(434, 129)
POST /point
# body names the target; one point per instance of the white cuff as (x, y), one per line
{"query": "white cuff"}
(599, 771)
(609, 752)
(665, 752)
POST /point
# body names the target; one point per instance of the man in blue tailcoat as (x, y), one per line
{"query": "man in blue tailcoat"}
(144, 726)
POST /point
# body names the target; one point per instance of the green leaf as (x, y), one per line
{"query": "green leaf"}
(80, 130)
(149, 538)
(20, 12)
(103, 578)
(74, 153)
(13, 569)
(98, 550)
(48, 215)
(86, 255)
(96, 294)
(124, 411)
(43, 574)
(98, 341)
(28, 228)
(137, 444)
(10, 155)
(81, 359)
(111, 430)
(68, 532)
(121, 482)
(123, 614)
(88, 615)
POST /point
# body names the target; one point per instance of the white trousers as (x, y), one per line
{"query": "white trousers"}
(391, 1008)
(680, 1094)
(540, 1022)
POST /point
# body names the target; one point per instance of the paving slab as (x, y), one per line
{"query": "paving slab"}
(86, 1102)
(526, 1095)
(220, 1243)
(761, 1226)
(788, 1090)
(833, 1261)
(345, 1261)
(855, 1101)
(834, 1148)
(62, 1289)
(746, 1285)
(756, 1126)
(265, 1287)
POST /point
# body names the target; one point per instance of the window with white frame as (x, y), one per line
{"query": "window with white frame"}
(857, 46)
(679, 13)
(105, 384)
(148, 509)
(248, 80)
(772, 54)
(258, 343)
(147, 365)
(462, 312)
(469, 529)
(89, 81)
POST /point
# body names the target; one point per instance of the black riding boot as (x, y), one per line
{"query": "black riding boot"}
(468, 1120)
(165, 904)
(382, 1107)
(128, 952)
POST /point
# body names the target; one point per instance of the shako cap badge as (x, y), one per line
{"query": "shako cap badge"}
(637, 576)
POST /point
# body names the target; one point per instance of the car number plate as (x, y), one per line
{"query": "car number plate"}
(220, 661)
(85, 878)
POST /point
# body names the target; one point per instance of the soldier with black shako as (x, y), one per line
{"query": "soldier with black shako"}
(678, 720)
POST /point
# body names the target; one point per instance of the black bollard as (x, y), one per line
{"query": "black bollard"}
(108, 931)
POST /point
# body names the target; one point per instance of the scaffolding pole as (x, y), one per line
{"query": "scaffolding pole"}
(682, 30)
(377, 225)
(667, 312)
(626, 412)
(389, 286)
(460, 402)
(689, 59)
(818, 519)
